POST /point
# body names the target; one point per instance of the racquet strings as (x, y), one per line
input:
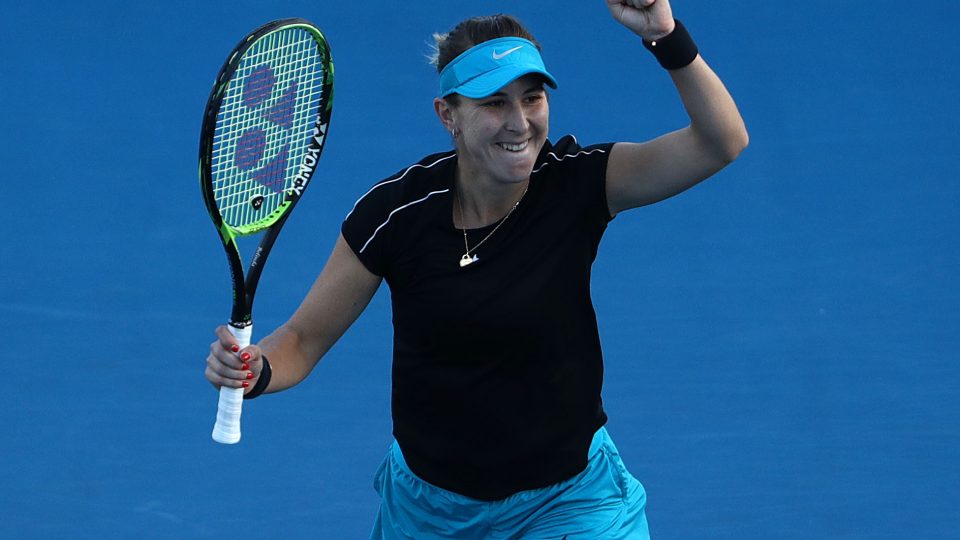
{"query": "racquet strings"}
(264, 125)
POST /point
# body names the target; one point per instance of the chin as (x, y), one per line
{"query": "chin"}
(515, 176)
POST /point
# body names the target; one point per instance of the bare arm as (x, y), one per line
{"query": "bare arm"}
(643, 173)
(338, 296)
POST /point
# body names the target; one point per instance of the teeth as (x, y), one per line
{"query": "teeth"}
(513, 147)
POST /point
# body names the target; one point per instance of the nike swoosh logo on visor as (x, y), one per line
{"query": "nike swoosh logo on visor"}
(498, 56)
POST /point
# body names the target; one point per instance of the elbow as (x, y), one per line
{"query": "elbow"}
(732, 145)
(722, 145)
(741, 141)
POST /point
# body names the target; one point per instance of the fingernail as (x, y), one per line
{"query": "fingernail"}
(245, 356)
(235, 348)
(245, 367)
(246, 384)
(250, 375)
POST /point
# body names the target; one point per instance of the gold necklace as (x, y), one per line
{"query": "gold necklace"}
(467, 259)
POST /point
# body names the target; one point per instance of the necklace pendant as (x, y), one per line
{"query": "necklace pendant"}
(466, 260)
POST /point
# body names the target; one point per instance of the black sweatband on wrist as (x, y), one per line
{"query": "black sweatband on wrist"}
(262, 382)
(675, 50)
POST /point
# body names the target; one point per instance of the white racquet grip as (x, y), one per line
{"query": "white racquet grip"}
(227, 428)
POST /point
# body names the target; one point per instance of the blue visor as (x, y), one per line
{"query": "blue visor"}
(484, 69)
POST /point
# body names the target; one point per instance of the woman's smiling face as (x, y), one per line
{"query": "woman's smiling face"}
(501, 135)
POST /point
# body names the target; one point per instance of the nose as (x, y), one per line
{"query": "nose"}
(516, 119)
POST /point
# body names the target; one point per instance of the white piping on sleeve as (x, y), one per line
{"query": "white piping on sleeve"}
(409, 204)
(565, 156)
(397, 179)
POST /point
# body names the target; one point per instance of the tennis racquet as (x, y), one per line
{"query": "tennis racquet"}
(263, 130)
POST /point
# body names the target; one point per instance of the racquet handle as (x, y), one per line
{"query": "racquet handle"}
(227, 428)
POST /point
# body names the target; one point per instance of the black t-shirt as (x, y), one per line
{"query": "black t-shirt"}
(497, 366)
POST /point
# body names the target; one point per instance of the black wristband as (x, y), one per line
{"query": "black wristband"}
(675, 50)
(262, 382)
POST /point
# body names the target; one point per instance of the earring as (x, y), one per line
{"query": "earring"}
(454, 132)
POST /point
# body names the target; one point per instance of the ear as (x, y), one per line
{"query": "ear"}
(445, 113)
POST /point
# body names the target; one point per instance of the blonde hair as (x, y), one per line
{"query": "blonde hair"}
(434, 57)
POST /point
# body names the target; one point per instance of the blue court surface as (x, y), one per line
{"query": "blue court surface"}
(781, 342)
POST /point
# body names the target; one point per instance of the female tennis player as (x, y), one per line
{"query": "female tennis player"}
(487, 250)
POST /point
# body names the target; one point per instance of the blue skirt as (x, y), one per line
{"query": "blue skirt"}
(603, 502)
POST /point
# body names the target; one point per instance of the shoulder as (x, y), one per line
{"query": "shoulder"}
(421, 179)
(375, 214)
(567, 153)
(573, 177)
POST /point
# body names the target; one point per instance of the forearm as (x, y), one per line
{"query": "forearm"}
(645, 173)
(337, 298)
(714, 118)
(716, 134)
(290, 359)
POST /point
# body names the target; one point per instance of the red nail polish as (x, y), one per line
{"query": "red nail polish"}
(245, 367)
(246, 384)
(250, 375)
(235, 348)
(245, 356)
